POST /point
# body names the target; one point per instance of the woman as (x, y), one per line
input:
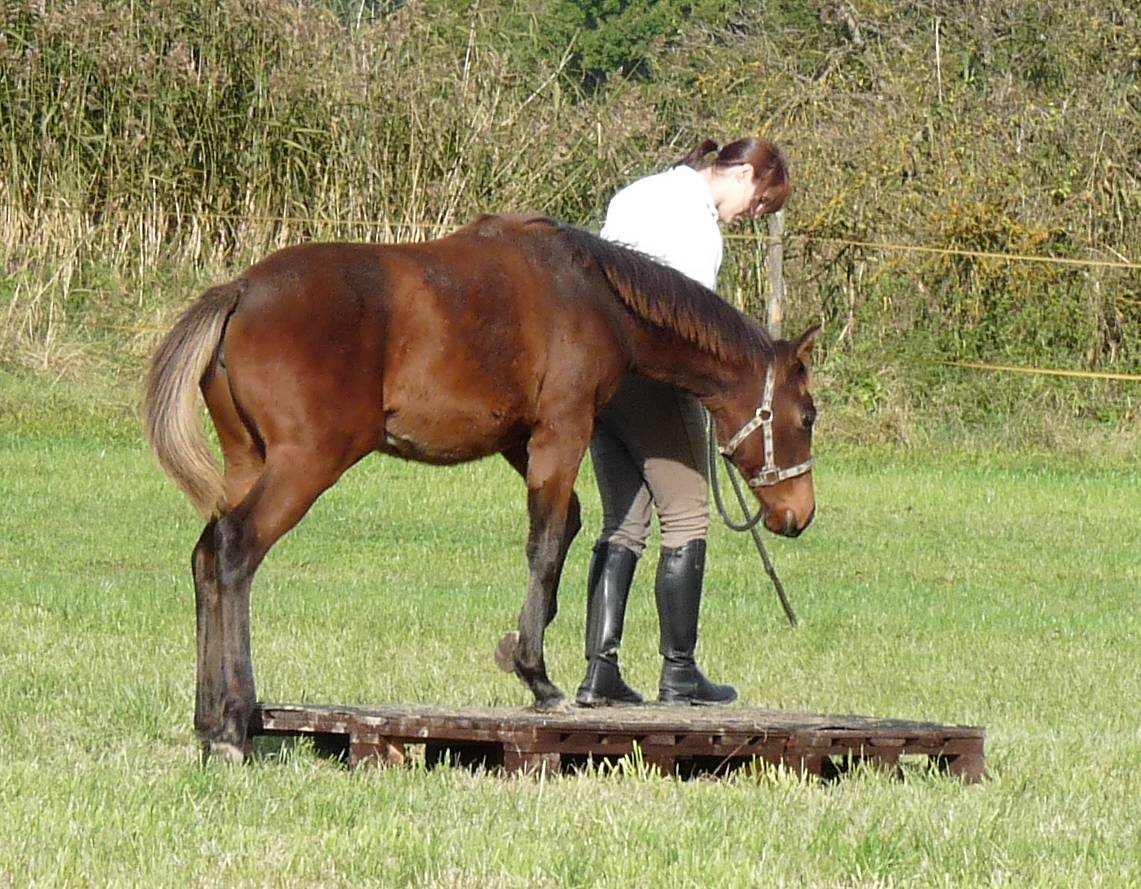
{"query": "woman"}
(649, 450)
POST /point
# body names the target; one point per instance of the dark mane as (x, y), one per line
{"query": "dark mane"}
(667, 298)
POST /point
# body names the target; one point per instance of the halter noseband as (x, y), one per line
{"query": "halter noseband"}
(770, 473)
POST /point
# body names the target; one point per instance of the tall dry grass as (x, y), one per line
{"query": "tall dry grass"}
(146, 147)
(143, 135)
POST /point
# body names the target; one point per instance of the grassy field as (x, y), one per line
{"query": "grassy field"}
(999, 592)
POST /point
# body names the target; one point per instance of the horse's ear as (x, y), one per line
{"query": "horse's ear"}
(805, 343)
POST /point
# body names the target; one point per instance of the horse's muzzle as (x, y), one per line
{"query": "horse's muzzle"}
(791, 527)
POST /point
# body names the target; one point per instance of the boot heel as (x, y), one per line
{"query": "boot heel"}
(604, 687)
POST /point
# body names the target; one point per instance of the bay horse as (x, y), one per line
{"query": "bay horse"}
(506, 337)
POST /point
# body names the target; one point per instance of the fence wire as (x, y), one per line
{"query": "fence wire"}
(800, 238)
(439, 229)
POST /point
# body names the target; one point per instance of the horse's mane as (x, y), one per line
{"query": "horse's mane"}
(666, 298)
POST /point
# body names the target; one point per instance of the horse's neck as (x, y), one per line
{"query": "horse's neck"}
(672, 360)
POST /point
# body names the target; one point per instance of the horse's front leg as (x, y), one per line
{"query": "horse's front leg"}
(551, 470)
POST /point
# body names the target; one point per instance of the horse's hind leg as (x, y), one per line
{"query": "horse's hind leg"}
(291, 482)
(208, 688)
(244, 464)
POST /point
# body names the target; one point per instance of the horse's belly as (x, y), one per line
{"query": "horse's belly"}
(451, 436)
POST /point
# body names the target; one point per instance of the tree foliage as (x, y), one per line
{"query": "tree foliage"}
(625, 37)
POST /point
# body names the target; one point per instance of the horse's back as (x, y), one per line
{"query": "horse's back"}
(439, 351)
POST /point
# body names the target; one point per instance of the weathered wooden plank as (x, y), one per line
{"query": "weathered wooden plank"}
(371, 748)
(530, 761)
(660, 718)
(525, 740)
(970, 767)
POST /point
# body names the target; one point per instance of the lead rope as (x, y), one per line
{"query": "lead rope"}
(750, 524)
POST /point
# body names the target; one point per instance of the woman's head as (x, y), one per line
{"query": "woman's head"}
(748, 177)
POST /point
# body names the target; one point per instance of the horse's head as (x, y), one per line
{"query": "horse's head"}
(770, 439)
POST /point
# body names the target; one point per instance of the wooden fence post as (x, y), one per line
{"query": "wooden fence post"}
(774, 262)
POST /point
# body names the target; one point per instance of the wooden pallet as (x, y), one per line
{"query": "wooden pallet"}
(677, 740)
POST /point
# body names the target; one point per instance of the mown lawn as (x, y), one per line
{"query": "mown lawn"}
(1003, 593)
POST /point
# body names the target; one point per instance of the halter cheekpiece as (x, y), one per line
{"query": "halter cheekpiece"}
(770, 473)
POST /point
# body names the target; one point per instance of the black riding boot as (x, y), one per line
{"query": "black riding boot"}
(678, 592)
(611, 573)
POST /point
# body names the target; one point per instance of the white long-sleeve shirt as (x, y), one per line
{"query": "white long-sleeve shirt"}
(671, 217)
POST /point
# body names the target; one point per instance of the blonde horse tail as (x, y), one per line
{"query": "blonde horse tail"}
(171, 415)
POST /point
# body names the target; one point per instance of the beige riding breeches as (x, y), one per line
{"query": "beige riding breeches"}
(649, 454)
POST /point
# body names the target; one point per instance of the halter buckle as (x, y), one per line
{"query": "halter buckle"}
(766, 478)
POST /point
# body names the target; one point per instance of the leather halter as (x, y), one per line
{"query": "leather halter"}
(770, 473)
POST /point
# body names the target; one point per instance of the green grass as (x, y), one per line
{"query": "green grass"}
(951, 588)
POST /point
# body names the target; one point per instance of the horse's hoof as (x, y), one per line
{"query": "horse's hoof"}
(226, 752)
(505, 652)
(553, 704)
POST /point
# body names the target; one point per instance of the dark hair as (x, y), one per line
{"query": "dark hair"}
(770, 169)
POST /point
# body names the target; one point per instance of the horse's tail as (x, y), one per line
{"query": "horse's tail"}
(171, 417)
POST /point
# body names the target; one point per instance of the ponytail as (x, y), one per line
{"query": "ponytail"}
(695, 157)
(770, 169)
